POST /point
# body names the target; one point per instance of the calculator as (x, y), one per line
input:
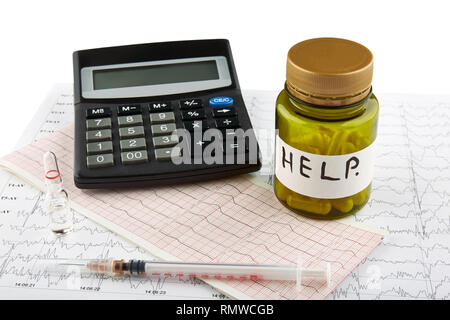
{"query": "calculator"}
(159, 113)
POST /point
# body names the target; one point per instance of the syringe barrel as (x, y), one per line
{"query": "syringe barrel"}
(221, 271)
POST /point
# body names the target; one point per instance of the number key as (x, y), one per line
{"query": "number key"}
(132, 144)
(131, 132)
(99, 147)
(165, 141)
(101, 123)
(163, 129)
(130, 120)
(133, 157)
(162, 117)
(98, 135)
(101, 160)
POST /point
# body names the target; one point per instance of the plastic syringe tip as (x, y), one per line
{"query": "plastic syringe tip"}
(321, 273)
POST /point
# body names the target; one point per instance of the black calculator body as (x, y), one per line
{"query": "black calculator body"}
(132, 102)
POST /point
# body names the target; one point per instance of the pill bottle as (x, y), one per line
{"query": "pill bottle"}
(326, 121)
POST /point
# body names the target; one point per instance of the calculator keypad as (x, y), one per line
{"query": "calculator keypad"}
(135, 147)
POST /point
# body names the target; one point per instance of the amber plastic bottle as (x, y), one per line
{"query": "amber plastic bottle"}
(326, 118)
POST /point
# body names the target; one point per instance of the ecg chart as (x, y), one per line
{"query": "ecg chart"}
(230, 220)
(410, 200)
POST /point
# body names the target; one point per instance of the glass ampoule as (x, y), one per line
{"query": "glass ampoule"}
(56, 198)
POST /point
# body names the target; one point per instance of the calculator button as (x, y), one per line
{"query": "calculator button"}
(198, 146)
(227, 123)
(224, 112)
(221, 102)
(99, 147)
(193, 114)
(100, 160)
(101, 123)
(165, 141)
(133, 157)
(167, 153)
(133, 120)
(133, 144)
(161, 106)
(195, 125)
(131, 132)
(191, 104)
(99, 112)
(98, 135)
(162, 117)
(163, 129)
(128, 109)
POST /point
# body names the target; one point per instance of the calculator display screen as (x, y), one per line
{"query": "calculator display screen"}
(155, 74)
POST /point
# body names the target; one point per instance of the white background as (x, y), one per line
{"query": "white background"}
(410, 41)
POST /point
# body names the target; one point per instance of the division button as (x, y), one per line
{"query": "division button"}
(167, 153)
(133, 144)
(100, 160)
(134, 157)
(163, 129)
(128, 109)
(165, 141)
(224, 112)
(221, 102)
(162, 117)
(191, 103)
(100, 123)
(131, 132)
(160, 106)
(98, 112)
(226, 123)
(195, 125)
(98, 135)
(192, 114)
(99, 147)
(132, 120)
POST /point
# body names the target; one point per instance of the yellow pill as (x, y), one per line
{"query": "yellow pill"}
(353, 137)
(362, 143)
(308, 205)
(336, 141)
(281, 191)
(314, 140)
(348, 147)
(360, 197)
(343, 205)
(325, 130)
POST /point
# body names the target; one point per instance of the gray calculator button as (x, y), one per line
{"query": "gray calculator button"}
(131, 120)
(98, 135)
(165, 141)
(133, 157)
(162, 117)
(131, 132)
(100, 160)
(99, 147)
(132, 144)
(101, 123)
(167, 153)
(163, 129)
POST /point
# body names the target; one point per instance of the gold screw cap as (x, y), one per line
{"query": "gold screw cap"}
(329, 71)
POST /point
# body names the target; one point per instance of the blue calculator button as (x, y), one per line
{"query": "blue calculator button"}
(221, 102)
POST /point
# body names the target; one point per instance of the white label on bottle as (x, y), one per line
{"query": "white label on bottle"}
(322, 176)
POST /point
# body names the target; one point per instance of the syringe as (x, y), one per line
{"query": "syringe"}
(206, 271)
